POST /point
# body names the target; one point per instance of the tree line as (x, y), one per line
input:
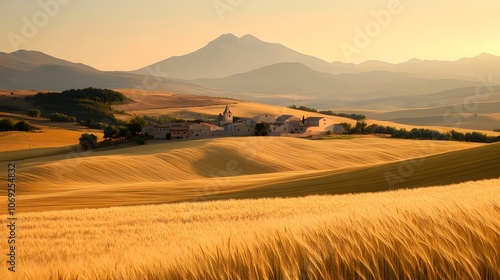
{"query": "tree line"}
(329, 112)
(418, 133)
(119, 130)
(11, 125)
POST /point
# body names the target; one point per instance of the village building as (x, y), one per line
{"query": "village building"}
(225, 117)
(285, 124)
(264, 118)
(338, 129)
(226, 126)
(204, 130)
(317, 125)
(179, 131)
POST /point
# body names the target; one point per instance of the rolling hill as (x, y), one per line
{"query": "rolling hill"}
(465, 95)
(468, 68)
(241, 167)
(35, 70)
(291, 81)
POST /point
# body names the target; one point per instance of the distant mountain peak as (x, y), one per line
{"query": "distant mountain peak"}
(27, 52)
(229, 39)
(249, 38)
(225, 39)
(486, 55)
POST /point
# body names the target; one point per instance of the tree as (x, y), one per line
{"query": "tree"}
(34, 113)
(138, 120)
(7, 124)
(134, 128)
(24, 126)
(347, 127)
(58, 117)
(110, 132)
(262, 129)
(88, 141)
(123, 132)
(360, 127)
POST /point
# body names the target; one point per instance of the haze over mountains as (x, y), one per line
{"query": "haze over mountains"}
(250, 69)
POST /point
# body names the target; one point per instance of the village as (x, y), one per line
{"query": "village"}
(285, 125)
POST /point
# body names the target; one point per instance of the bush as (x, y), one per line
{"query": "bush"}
(329, 132)
(496, 130)
(34, 113)
(24, 126)
(7, 124)
(58, 117)
(88, 141)
(262, 129)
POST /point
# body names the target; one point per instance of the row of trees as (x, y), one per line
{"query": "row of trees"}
(114, 131)
(122, 130)
(418, 133)
(11, 125)
(329, 112)
(59, 117)
(344, 115)
(55, 117)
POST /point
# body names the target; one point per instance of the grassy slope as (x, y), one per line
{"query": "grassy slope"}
(454, 167)
(239, 167)
(450, 232)
(17, 141)
(481, 116)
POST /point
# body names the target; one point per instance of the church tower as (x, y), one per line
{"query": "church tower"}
(226, 117)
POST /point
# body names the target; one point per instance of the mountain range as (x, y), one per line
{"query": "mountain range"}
(251, 69)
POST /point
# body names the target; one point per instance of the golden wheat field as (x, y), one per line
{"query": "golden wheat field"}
(163, 171)
(447, 232)
(46, 138)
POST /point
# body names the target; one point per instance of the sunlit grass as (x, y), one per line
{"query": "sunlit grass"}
(450, 232)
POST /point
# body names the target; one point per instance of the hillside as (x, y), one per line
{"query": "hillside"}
(286, 83)
(469, 68)
(27, 70)
(467, 95)
(24, 60)
(228, 55)
(237, 167)
(450, 232)
(485, 116)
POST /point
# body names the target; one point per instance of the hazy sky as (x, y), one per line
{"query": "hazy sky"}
(129, 34)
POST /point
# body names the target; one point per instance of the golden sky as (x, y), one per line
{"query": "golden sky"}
(126, 34)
